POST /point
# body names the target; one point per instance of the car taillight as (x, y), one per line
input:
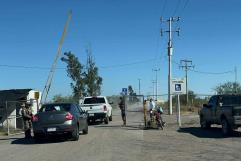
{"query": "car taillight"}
(35, 118)
(105, 108)
(69, 116)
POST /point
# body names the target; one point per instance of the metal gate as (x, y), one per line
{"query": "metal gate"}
(11, 117)
(135, 111)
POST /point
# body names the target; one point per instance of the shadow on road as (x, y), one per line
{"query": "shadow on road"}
(213, 132)
(127, 127)
(8, 138)
(23, 141)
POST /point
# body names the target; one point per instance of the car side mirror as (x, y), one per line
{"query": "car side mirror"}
(111, 103)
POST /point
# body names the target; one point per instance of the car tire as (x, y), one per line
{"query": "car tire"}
(85, 131)
(106, 120)
(75, 134)
(204, 124)
(110, 118)
(226, 129)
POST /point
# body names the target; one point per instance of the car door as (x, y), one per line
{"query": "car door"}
(82, 117)
(220, 101)
(213, 107)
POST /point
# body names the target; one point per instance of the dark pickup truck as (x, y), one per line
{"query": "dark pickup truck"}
(223, 110)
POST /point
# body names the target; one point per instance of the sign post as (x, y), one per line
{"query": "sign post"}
(178, 88)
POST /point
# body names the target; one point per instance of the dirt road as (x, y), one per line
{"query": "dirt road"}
(115, 143)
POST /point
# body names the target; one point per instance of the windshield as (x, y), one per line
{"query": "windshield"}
(94, 100)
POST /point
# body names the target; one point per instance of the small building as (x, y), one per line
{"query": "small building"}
(10, 101)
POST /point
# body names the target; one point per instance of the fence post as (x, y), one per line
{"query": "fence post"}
(7, 118)
(144, 102)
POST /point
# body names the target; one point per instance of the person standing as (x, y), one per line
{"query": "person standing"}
(123, 110)
(27, 116)
(152, 106)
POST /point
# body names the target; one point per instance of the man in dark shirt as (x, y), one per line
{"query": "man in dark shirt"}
(27, 115)
(123, 111)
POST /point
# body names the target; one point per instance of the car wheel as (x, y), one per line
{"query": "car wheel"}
(204, 124)
(75, 134)
(110, 118)
(225, 127)
(85, 131)
(106, 119)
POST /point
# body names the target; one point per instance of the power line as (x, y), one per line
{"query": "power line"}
(61, 68)
(177, 6)
(164, 6)
(184, 7)
(212, 73)
(182, 11)
(127, 64)
(202, 72)
(25, 67)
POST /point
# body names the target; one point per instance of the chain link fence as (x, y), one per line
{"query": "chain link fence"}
(194, 103)
(11, 121)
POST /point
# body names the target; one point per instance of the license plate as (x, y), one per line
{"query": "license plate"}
(51, 129)
(91, 114)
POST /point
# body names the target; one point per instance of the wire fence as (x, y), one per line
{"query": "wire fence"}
(11, 121)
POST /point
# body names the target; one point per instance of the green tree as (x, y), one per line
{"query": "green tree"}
(75, 72)
(60, 98)
(130, 90)
(228, 88)
(93, 81)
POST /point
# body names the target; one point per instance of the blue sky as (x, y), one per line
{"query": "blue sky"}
(121, 32)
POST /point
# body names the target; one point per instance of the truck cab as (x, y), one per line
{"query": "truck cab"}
(222, 110)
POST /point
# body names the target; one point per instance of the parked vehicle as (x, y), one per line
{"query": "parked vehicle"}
(97, 107)
(223, 110)
(60, 118)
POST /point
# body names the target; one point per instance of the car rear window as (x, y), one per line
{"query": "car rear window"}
(55, 107)
(232, 100)
(94, 100)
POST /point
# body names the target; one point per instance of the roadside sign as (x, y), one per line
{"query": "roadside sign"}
(124, 91)
(178, 86)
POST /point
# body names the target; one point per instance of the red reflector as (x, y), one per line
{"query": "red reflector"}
(105, 108)
(69, 116)
(35, 118)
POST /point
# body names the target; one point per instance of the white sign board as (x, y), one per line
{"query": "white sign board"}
(178, 86)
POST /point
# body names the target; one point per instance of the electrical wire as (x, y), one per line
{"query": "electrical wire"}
(177, 6)
(212, 73)
(127, 64)
(184, 7)
(202, 72)
(59, 68)
(164, 7)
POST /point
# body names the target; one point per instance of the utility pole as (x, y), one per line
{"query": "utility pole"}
(156, 70)
(153, 87)
(170, 50)
(186, 65)
(58, 55)
(139, 86)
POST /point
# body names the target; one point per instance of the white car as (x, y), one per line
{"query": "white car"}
(97, 107)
